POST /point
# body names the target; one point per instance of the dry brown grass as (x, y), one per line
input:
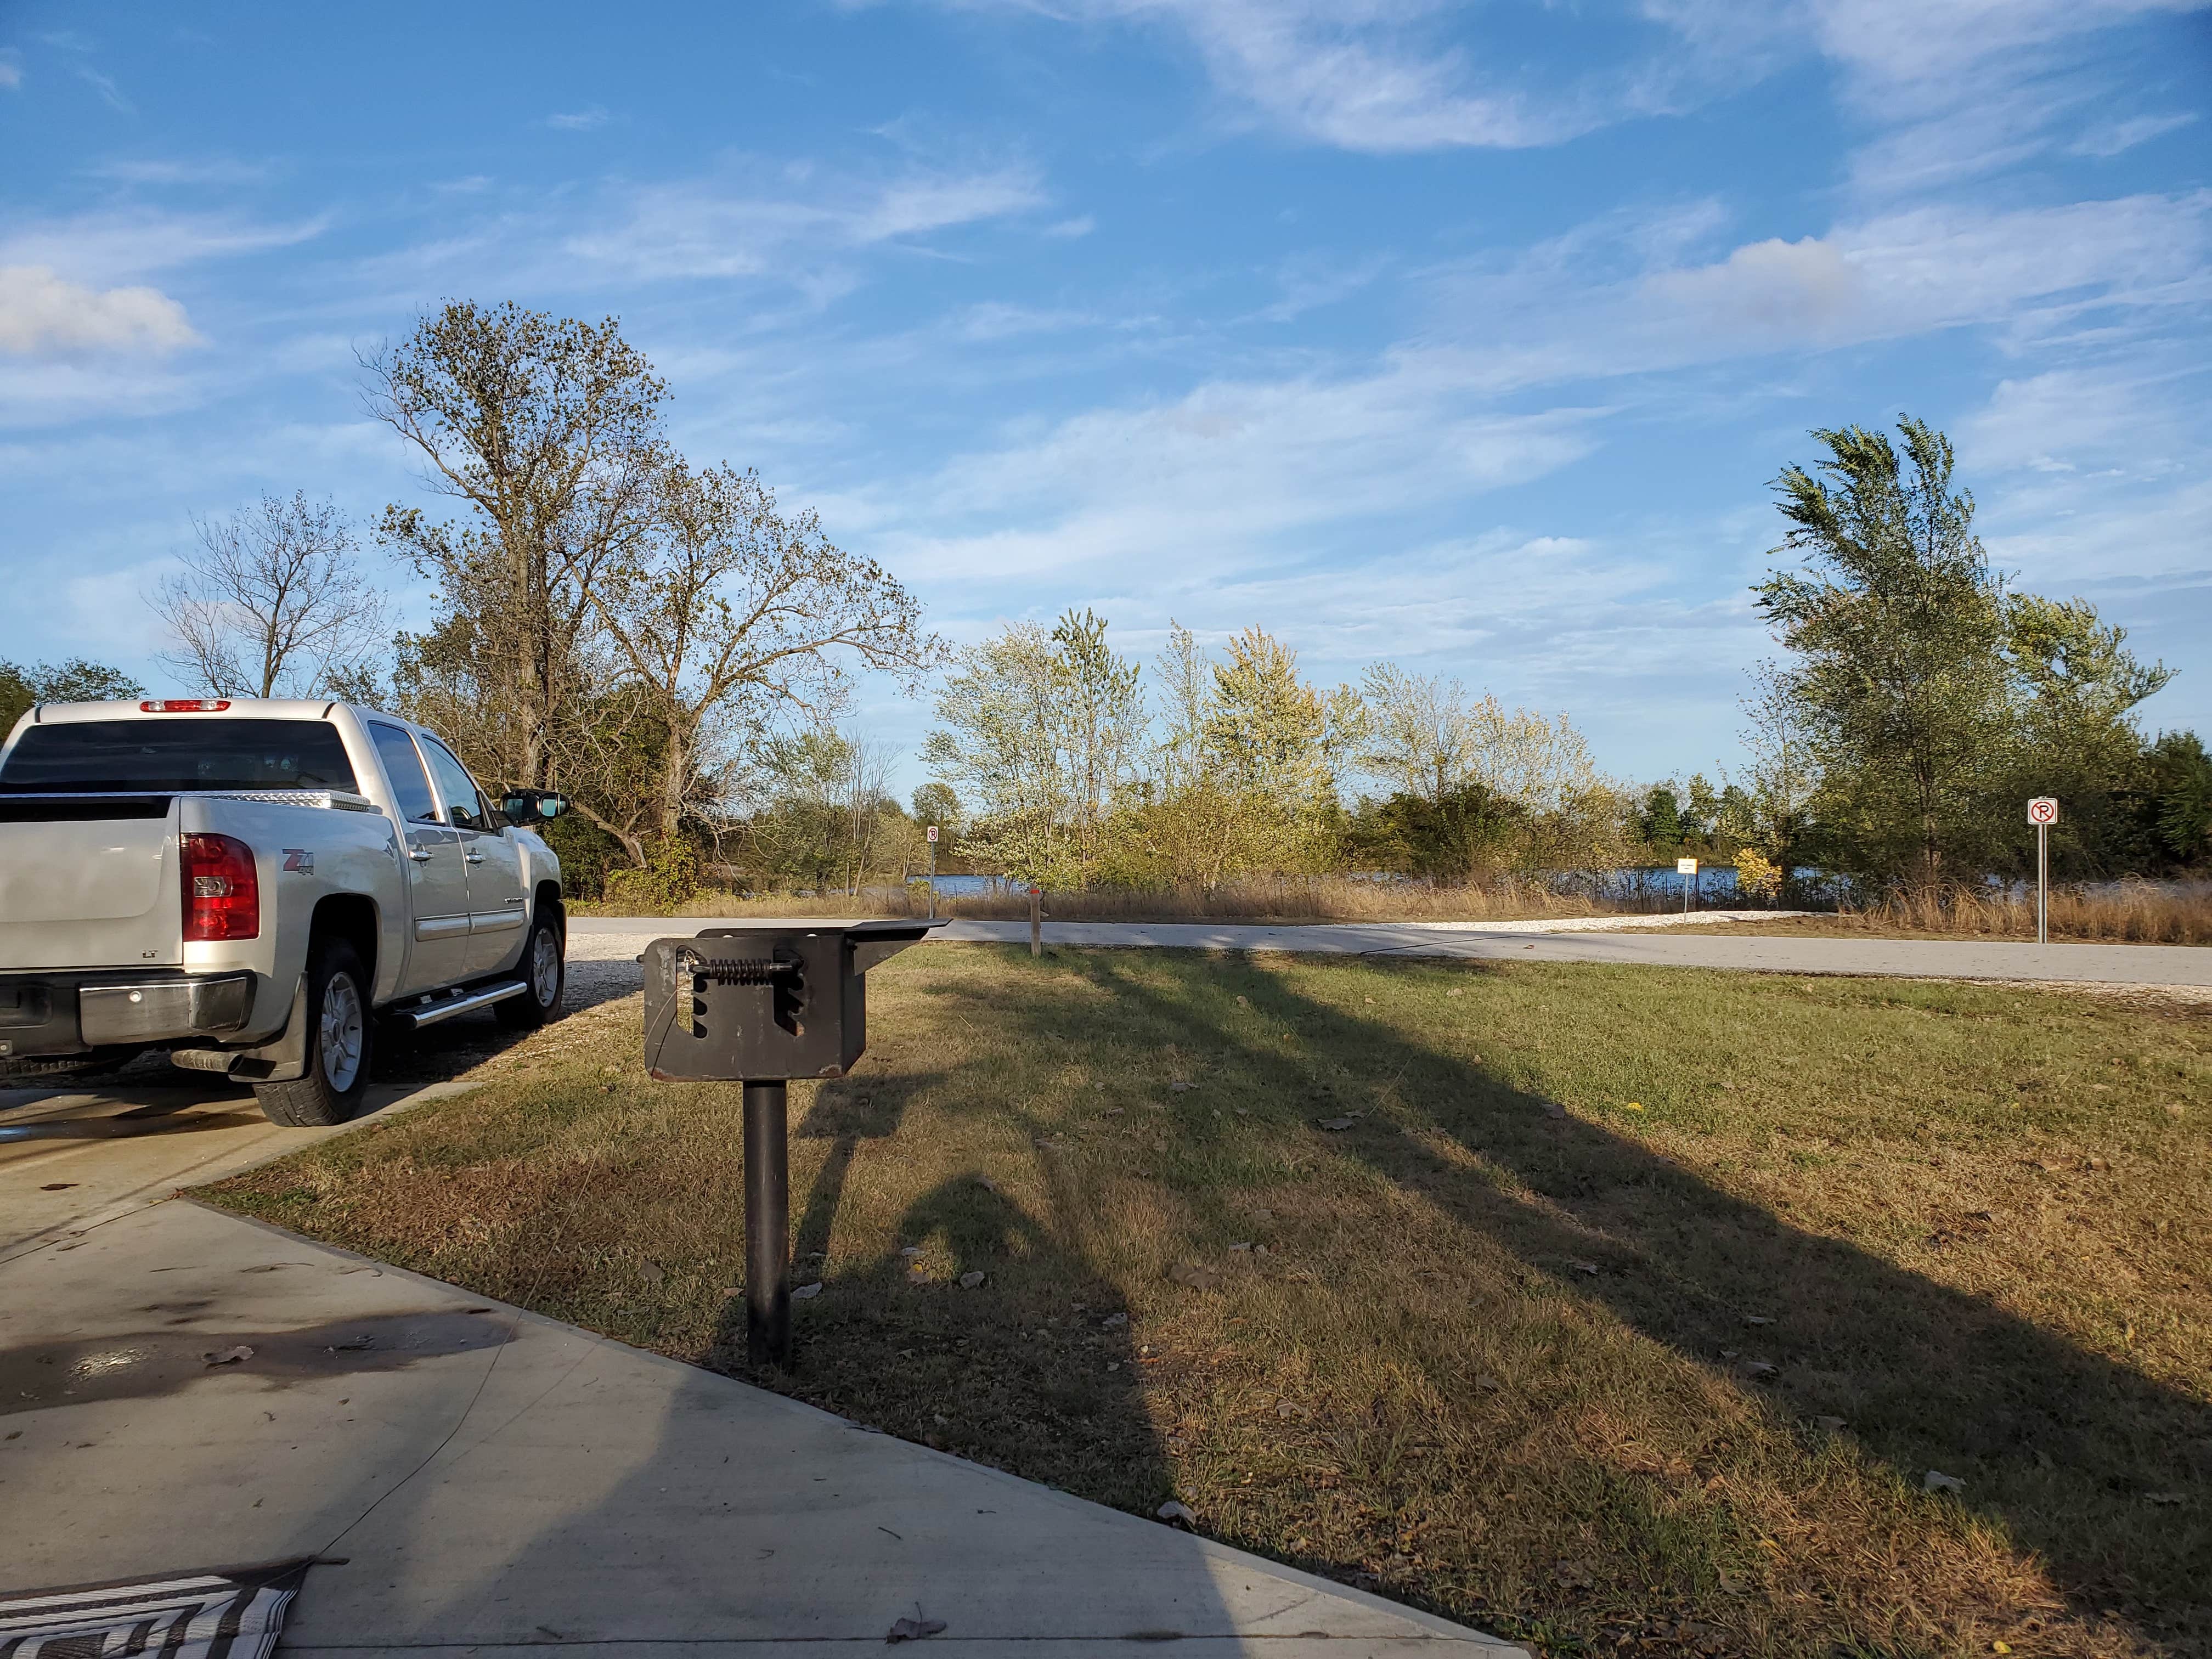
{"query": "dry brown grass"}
(2131, 913)
(1494, 1347)
(1283, 898)
(2134, 913)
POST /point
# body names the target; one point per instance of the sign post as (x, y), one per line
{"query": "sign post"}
(1036, 921)
(2043, 812)
(1688, 867)
(933, 873)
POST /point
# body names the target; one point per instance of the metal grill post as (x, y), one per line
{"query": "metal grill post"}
(767, 1226)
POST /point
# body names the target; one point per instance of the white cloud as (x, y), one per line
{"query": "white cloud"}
(43, 315)
(170, 170)
(109, 247)
(1354, 76)
(1309, 285)
(1919, 47)
(1805, 288)
(2116, 136)
(110, 94)
(11, 71)
(1233, 472)
(713, 229)
(1381, 75)
(1958, 88)
(1892, 276)
(1069, 229)
(2134, 417)
(582, 120)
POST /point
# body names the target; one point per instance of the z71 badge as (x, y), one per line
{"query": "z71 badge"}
(296, 859)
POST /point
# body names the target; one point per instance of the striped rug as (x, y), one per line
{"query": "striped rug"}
(228, 1612)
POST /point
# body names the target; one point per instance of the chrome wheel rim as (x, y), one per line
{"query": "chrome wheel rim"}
(544, 967)
(343, 1031)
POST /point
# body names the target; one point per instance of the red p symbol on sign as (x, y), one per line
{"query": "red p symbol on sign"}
(2043, 809)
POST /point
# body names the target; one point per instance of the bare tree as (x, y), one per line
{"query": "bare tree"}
(547, 431)
(727, 611)
(273, 603)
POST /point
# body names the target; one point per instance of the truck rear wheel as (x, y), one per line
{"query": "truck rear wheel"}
(544, 969)
(338, 1043)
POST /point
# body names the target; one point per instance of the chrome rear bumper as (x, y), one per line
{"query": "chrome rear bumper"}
(44, 1014)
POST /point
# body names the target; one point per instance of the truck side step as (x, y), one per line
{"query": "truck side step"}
(418, 1015)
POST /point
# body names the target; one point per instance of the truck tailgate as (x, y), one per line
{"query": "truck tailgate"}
(90, 882)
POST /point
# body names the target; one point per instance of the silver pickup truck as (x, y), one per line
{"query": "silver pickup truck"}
(253, 885)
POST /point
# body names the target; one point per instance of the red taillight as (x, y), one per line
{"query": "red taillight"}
(186, 706)
(223, 891)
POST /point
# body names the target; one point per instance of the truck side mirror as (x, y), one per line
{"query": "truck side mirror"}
(522, 806)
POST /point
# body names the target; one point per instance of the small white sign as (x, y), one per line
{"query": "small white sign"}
(1685, 866)
(932, 832)
(2043, 809)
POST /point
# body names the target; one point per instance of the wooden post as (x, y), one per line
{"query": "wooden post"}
(1036, 921)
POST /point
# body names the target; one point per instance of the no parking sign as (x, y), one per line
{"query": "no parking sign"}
(2043, 812)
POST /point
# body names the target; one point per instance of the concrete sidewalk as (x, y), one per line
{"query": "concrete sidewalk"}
(482, 1477)
(609, 936)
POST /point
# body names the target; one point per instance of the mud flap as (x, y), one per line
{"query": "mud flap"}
(284, 1061)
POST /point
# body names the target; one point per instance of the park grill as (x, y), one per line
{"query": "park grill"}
(759, 1005)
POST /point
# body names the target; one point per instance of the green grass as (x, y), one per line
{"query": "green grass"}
(1490, 1349)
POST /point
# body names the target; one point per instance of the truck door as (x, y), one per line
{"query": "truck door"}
(496, 907)
(438, 881)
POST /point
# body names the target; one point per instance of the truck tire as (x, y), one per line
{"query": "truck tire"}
(338, 1044)
(544, 969)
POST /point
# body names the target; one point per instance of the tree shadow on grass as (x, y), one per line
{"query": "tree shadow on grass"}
(2064, 1448)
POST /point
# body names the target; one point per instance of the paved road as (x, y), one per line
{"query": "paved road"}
(482, 1478)
(611, 938)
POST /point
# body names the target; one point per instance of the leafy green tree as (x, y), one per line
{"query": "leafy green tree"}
(935, 803)
(2173, 798)
(1701, 808)
(1899, 628)
(1933, 699)
(1736, 819)
(75, 680)
(1274, 735)
(1661, 820)
(1042, 730)
(1469, 832)
(821, 816)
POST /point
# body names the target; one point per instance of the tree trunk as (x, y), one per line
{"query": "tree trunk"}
(672, 781)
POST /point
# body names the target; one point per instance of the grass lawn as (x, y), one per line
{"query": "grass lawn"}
(1602, 1307)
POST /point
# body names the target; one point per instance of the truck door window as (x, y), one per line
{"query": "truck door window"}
(465, 806)
(409, 783)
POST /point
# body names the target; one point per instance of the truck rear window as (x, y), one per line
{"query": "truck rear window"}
(185, 752)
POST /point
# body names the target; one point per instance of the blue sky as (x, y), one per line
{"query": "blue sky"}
(1466, 335)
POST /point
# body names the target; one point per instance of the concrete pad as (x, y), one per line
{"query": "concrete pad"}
(490, 1478)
